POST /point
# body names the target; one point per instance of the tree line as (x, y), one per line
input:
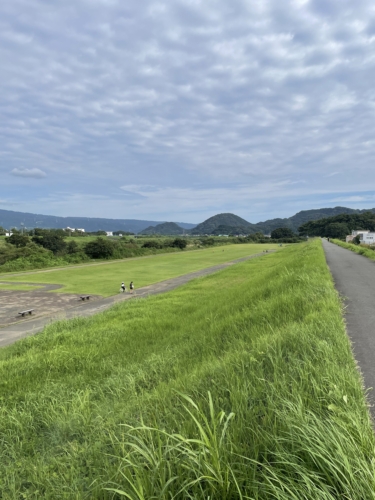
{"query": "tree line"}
(338, 226)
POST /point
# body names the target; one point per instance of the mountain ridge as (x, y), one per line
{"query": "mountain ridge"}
(10, 219)
(237, 224)
(166, 228)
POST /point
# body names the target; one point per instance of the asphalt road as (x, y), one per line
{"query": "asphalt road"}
(354, 277)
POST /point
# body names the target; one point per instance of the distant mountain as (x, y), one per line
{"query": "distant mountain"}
(304, 216)
(227, 220)
(231, 224)
(10, 219)
(230, 230)
(167, 229)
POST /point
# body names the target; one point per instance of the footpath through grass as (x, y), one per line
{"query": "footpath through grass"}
(237, 385)
(105, 279)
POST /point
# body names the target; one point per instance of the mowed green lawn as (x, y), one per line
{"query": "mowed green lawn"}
(105, 278)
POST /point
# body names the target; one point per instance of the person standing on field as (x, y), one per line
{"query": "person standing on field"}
(131, 286)
(123, 287)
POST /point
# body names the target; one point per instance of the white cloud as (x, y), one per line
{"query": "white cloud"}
(106, 94)
(36, 173)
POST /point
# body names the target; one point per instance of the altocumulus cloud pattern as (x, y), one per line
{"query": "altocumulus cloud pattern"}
(179, 110)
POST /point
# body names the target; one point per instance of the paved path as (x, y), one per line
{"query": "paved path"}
(354, 277)
(29, 326)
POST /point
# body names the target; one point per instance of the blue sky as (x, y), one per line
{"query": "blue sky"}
(181, 110)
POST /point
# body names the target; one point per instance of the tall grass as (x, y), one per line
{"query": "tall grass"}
(361, 250)
(239, 385)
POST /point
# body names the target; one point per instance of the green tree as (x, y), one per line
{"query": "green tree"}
(337, 230)
(72, 247)
(282, 232)
(179, 243)
(18, 240)
(151, 244)
(99, 249)
(51, 241)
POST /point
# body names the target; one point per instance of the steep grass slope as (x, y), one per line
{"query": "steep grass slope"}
(238, 385)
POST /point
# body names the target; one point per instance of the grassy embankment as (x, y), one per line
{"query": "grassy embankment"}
(367, 252)
(237, 385)
(105, 278)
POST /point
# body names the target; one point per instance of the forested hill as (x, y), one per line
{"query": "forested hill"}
(167, 228)
(227, 220)
(340, 225)
(304, 216)
(227, 223)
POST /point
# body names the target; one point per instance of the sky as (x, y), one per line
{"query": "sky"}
(183, 109)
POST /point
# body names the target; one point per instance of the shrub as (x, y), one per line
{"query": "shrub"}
(51, 241)
(72, 247)
(18, 240)
(151, 244)
(179, 243)
(99, 249)
(282, 232)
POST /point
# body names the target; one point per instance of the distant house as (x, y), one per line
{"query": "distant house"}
(109, 233)
(7, 234)
(73, 230)
(366, 237)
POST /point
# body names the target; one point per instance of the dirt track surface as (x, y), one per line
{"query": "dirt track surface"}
(354, 277)
(51, 307)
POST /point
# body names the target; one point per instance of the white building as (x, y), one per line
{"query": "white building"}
(72, 230)
(366, 237)
(109, 233)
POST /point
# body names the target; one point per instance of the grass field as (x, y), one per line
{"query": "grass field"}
(25, 288)
(105, 278)
(239, 385)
